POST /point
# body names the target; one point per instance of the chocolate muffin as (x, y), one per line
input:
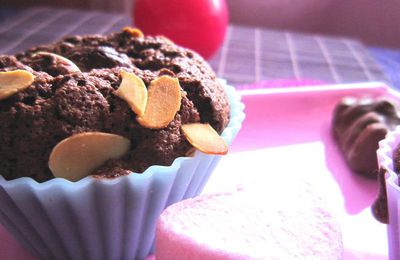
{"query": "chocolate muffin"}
(73, 92)
(358, 125)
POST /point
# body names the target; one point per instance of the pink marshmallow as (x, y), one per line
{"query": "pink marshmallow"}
(248, 226)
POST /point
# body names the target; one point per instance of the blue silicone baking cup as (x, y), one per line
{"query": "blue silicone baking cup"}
(105, 219)
(385, 160)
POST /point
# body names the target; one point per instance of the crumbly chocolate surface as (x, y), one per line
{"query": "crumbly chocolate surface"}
(62, 102)
(358, 126)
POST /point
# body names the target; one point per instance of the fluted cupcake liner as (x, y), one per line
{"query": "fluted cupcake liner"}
(105, 219)
(385, 160)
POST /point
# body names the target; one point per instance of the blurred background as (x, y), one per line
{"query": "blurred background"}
(374, 22)
(280, 42)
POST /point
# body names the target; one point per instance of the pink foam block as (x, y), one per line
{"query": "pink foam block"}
(247, 226)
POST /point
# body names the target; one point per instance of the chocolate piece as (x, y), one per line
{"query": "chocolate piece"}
(358, 126)
(89, 58)
(61, 103)
(396, 160)
(51, 63)
(380, 206)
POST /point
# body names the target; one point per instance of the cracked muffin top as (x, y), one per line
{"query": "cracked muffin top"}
(73, 91)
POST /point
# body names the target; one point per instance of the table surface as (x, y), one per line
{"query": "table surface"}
(247, 55)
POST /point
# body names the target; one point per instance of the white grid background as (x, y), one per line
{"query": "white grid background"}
(247, 54)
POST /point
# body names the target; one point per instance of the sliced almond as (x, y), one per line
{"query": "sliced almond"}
(14, 81)
(135, 32)
(204, 138)
(133, 91)
(190, 152)
(164, 100)
(72, 67)
(79, 155)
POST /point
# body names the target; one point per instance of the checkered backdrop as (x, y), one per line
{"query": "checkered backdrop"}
(247, 54)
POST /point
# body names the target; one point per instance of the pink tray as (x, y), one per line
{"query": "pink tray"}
(286, 134)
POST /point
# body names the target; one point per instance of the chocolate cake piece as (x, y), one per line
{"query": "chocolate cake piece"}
(64, 100)
(358, 126)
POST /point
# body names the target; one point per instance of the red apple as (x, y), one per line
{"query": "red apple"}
(196, 24)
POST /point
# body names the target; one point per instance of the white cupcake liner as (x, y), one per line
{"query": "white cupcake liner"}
(385, 153)
(105, 219)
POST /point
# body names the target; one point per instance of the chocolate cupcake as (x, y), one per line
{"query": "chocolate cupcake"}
(74, 91)
(99, 130)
